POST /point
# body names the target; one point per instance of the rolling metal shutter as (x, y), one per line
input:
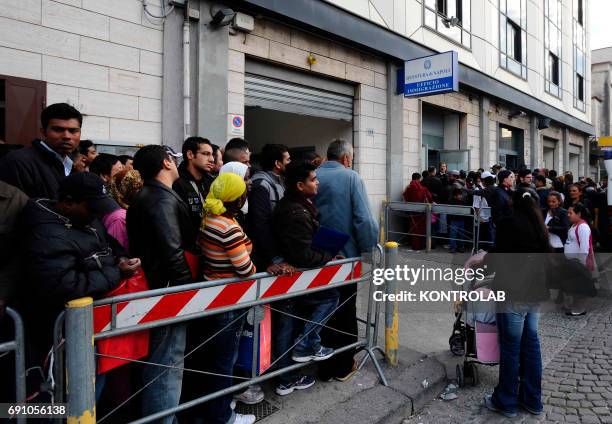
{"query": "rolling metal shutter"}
(285, 96)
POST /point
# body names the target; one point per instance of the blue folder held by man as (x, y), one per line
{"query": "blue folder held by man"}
(329, 240)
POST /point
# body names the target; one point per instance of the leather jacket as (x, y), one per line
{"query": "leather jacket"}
(160, 230)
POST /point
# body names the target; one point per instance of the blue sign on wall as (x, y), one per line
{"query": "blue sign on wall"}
(429, 75)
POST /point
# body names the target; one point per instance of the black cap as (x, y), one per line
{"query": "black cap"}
(88, 187)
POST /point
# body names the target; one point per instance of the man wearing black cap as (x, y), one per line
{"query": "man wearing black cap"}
(67, 254)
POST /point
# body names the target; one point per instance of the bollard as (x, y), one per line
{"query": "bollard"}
(80, 363)
(391, 308)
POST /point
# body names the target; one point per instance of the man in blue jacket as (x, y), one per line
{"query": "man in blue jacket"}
(343, 205)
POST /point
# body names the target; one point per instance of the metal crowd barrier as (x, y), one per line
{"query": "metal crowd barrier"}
(133, 312)
(428, 209)
(17, 345)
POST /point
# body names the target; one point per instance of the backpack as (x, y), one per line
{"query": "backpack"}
(590, 262)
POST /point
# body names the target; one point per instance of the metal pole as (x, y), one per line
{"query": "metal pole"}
(428, 228)
(58, 363)
(19, 347)
(391, 308)
(80, 364)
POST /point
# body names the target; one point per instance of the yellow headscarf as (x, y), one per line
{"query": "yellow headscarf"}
(225, 188)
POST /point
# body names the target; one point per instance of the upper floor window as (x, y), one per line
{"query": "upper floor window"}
(579, 53)
(552, 46)
(450, 18)
(513, 36)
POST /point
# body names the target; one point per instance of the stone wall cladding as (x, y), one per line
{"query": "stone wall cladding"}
(285, 46)
(107, 62)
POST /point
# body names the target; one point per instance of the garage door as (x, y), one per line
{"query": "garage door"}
(284, 90)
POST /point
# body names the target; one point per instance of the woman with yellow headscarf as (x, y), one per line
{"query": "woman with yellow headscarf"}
(226, 253)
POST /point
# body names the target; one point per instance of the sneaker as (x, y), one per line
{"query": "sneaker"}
(322, 354)
(244, 419)
(530, 410)
(488, 401)
(251, 396)
(301, 383)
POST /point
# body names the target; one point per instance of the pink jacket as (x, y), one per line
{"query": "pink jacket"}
(114, 223)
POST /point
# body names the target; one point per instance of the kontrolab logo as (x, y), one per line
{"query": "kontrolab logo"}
(427, 64)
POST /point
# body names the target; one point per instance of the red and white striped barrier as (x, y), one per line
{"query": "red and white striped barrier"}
(140, 311)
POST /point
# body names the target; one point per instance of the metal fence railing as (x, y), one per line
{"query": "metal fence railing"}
(17, 346)
(400, 218)
(75, 356)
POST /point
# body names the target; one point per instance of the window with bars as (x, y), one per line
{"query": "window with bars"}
(513, 36)
(579, 56)
(552, 47)
(450, 18)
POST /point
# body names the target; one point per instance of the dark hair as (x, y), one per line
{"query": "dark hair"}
(425, 173)
(296, 172)
(84, 146)
(192, 144)
(541, 178)
(569, 177)
(103, 164)
(124, 158)
(233, 148)
(270, 154)
(416, 176)
(526, 202)
(524, 172)
(581, 210)
(431, 169)
(578, 186)
(215, 150)
(557, 195)
(59, 111)
(552, 174)
(149, 160)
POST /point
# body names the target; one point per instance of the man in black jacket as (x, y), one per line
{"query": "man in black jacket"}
(38, 170)
(161, 232)
(195, 176)
(433, 183)
(294, 227)
(66, 255)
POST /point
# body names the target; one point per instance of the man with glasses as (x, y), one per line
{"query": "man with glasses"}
(195, 176)
(38, 170)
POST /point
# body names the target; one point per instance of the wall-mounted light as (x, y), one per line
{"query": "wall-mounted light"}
(222, 17)
(311, 59)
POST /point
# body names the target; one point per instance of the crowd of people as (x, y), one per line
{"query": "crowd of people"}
(76, 222)
(490, 192)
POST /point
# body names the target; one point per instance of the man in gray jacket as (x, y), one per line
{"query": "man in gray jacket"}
(343, 205)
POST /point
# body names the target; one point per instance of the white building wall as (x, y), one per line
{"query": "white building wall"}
(102, 56)
(405, 17)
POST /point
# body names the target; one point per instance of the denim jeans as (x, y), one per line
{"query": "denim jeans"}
(221, 356)
(520, 366)
(167, 347)
(456, 232)
(319, 308)
(284, 331)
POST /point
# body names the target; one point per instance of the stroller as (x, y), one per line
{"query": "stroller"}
(474, 336)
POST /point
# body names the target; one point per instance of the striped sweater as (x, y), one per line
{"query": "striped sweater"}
(225, 248)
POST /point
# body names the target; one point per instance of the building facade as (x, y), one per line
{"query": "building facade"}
(303, 72)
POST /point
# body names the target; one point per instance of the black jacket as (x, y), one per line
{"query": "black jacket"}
(60, 263)
(266, 192)
(34, 170)
(184, 187)
(501, 204)
(294, 226)
(559, 224)
(520, 259)
(160, 230)
(434, 185)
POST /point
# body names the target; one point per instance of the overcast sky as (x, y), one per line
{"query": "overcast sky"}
(601, 35)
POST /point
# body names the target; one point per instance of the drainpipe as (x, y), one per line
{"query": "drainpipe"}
(186, 76)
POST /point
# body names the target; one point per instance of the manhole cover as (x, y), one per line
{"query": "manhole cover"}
(260, 410)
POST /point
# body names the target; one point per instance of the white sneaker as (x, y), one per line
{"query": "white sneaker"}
(244, 419)
(251, 396)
